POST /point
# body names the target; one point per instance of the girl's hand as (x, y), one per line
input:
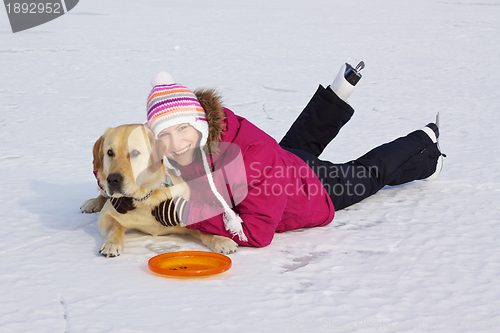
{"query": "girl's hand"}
(122, 204)
(169, 212)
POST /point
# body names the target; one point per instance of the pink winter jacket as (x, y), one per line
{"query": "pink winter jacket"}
(282, 192)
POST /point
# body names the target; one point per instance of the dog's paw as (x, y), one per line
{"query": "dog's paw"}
(111, 249)
(93, 205)
(221, 244)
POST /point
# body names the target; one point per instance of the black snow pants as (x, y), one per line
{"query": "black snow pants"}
(403, 160)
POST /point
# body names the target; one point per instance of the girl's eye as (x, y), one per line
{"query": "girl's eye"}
(182, 128)
(162, 135)
(135, 153)
(110, 153)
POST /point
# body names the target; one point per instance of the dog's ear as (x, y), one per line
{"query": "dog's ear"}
(98, 153)
(157, 152)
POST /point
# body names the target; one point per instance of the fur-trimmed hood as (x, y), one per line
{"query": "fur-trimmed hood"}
(211, 102)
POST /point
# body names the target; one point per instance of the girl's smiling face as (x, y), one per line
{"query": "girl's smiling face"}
(180, 142)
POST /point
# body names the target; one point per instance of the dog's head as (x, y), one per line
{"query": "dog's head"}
(128, 158)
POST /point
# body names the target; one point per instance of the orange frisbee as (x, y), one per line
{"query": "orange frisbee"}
(189, 263)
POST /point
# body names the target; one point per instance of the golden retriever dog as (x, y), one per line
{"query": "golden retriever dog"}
(129, 163)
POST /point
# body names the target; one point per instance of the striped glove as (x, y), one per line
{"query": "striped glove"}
(122, 204)
(169, 212)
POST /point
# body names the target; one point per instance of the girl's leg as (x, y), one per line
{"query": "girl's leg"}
(319, 123)
(403, 160)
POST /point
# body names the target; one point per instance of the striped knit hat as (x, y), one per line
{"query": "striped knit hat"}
(171, 104)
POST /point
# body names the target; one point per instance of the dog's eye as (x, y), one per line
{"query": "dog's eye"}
(135, 153)
(110, 153)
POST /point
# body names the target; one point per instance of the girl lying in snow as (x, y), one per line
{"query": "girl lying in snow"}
(246, 186)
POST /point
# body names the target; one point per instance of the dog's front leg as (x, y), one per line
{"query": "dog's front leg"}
(94, 205)
(114, 233)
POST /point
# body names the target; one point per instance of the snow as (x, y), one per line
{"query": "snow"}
(419, 257)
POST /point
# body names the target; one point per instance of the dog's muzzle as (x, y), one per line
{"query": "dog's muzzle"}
(115, 182)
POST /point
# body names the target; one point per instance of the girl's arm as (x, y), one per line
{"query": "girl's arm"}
(262, 208)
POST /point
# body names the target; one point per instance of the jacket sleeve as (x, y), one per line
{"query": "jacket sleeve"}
(263, 206)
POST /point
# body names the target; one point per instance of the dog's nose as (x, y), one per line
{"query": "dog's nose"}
(115, 182)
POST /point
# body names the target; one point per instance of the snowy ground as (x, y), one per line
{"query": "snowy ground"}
(421, 257)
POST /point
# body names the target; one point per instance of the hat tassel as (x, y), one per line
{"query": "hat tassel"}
(232, 221)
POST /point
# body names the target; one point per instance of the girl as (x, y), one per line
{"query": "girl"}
(246, 186)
